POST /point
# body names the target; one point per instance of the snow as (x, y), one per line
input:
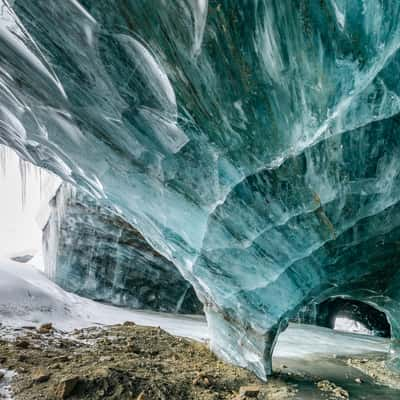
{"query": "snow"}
(5, 389)
(28, 297)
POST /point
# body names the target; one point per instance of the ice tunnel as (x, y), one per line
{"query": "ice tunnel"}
(345, 314)
(371, 320)
(253, 144)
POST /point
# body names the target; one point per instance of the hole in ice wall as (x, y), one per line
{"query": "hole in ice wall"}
(353, 316)
(24, 191)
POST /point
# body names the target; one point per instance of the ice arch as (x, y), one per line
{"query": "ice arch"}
(253, 143)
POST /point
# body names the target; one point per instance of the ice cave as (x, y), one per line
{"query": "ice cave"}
(245, 150)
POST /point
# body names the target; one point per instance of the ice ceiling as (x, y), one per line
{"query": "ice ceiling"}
(254, 143)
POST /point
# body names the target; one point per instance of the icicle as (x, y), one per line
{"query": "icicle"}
(3, 159)
(23, 170)
(40, 184)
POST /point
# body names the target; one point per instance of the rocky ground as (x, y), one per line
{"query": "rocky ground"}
(377, 370)
(132, 362)
(124, 362)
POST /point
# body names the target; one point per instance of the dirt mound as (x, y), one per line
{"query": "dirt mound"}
(125, 362)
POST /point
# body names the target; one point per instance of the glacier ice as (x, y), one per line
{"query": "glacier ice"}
(89, 250)
(254, 144)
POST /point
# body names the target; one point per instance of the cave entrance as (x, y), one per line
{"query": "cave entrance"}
(354, 316)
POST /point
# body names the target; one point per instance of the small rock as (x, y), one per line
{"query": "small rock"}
(337, 391)
(129, 323)
(45, 328)
(61, 359)
(40, 375)
(133, 349)
(2, 374)
(341, 393)
(66, 387)
(22, 344)
(106, 358)
(250, 391)
(101, 372)
(141, 396)
(358, 380)
(201, 379)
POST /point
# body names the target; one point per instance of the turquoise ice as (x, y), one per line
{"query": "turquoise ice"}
(254, 143)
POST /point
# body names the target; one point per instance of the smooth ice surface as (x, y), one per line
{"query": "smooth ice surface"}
(253, 143)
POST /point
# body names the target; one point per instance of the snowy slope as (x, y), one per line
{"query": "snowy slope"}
(28, 297)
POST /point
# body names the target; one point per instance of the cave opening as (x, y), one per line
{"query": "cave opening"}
(353, 316)
(344, 324)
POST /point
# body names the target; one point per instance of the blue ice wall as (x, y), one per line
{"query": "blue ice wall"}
(89, 250)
